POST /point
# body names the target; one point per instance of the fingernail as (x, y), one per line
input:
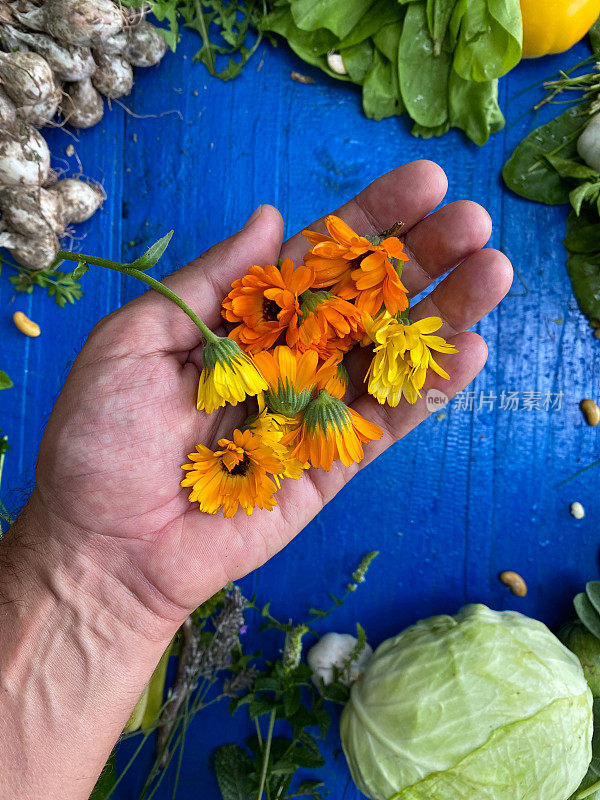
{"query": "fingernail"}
(253, 218)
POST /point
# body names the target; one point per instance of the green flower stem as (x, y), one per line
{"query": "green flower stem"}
(266, 756)
(66, 255)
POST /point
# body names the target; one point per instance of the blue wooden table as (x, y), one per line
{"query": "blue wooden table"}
(474, 490)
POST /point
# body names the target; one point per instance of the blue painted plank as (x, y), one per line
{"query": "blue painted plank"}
(466, 495)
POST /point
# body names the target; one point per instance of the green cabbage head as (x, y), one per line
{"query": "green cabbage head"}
(485, 705)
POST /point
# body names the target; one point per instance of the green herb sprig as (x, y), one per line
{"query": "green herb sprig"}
(288, 712)
(223, 25)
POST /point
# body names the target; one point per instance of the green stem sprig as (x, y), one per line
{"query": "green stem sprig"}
(136, 269)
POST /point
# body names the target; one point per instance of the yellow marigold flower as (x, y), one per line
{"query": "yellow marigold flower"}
(363, 268)
(229, 375)
(402, 356)
(327, 324)
(234, 476)
(329, 431)
(290, 377)
(271, 428)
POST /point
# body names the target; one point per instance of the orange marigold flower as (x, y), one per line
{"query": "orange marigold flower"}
(329, 431)
(291, 379)
(361, 267)
(333, 377)
(327, 324)
(234, 476)
(264, 302)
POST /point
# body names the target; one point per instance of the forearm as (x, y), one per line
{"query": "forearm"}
(76, 651)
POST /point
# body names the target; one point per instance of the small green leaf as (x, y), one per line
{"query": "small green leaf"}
(261, 705)
(572, 168)
(80, 270)
(587, 614)
(592, 590)
(307, 752)
(233, 767)
(5, 381)
(152, 254)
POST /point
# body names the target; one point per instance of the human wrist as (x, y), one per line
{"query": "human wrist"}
(75, 654)
(97, 569)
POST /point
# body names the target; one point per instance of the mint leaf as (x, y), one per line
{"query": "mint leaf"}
(233, 767)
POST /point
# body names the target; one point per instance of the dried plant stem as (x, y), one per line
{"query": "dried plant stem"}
(170, 713)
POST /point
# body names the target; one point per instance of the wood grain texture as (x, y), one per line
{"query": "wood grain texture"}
(471, 492)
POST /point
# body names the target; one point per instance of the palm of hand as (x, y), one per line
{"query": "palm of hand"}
(110, 459)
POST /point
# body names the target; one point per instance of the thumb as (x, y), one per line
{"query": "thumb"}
(205, 281)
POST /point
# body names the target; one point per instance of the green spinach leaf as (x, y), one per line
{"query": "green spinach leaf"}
(583, 265)
(358, 60)
(490, 39)
(474, 107)
(423, 76)
(387, 39)
(583, 233)
(311, 46)
(339, 18)
(439, 13)
(381, 93)
(529, 173)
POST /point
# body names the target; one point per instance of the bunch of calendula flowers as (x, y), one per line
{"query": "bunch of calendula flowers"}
(292, 328)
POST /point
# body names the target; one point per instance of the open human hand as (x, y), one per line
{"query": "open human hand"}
(109, 466)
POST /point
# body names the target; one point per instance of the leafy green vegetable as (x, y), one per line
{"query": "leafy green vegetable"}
(587, 613)
(423, 76)
(586, 647)
(439, 13)
(583, 265)
(490, 40)
(470, 706)
(338, 17)
(378, 102)
(441, 57)
(223, 25)
(529, 171)
(474, 108)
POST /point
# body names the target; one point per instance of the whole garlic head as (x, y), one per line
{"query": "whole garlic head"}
(333, 650)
